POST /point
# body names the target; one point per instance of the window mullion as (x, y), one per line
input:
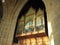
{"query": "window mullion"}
(35, 21)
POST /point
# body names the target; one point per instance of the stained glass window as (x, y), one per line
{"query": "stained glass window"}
(31, 22)
(20, 26)
(39, 20)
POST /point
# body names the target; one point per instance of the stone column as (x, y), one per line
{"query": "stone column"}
(8, 23)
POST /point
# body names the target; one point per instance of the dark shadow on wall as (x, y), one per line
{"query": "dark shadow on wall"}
(35, 4)
(1, 10)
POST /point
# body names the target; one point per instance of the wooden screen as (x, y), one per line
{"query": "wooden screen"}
(34, 41)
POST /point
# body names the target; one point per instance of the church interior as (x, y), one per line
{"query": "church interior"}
(29, 22)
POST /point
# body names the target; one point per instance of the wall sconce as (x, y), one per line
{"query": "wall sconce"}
(3, 1)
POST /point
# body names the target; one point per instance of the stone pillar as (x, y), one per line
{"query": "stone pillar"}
(8, 23)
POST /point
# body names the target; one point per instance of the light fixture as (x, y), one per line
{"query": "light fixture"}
(3, 1)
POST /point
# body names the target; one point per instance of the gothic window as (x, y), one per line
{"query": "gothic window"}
(31, 26)
(20, 26)
(31, 22)
(40, 20)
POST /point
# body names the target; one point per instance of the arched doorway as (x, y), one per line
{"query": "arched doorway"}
(32, 24)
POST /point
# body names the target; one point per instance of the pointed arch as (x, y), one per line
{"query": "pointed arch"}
(35, 4)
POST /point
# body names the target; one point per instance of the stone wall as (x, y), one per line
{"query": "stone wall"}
(53, 15)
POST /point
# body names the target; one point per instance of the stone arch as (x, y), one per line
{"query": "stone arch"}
(20, 8)
(17, 10)
(9, 19)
